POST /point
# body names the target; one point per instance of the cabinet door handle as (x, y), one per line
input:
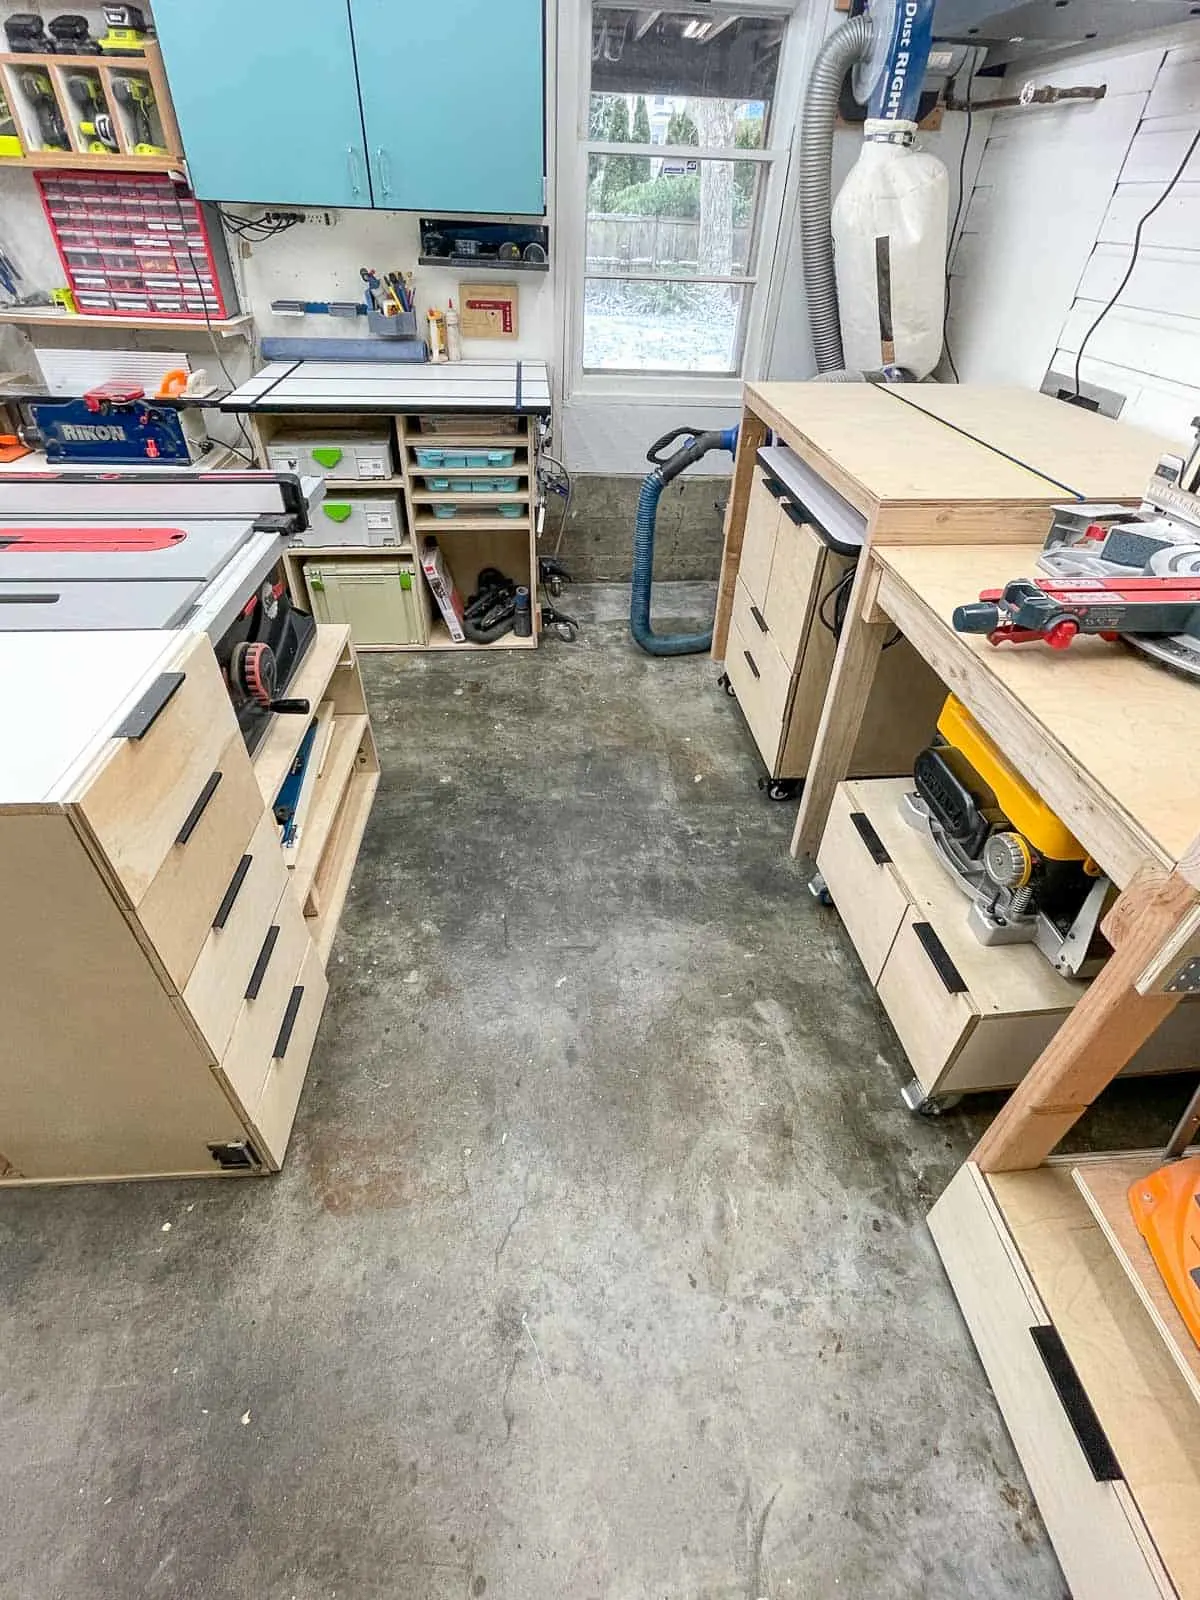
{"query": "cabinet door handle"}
(384, 163)
(288, 1023)
(192, 819)
(261, 965)
(876, 848)
(759, 618)
(750, 662)
(231, 894)
(773, 487)
(933, 947)
(352, 167)
(154, 700)
(794, 513)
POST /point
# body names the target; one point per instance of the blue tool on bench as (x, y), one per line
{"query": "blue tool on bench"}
(115, 425)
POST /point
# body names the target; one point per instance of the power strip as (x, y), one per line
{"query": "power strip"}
(318, 219)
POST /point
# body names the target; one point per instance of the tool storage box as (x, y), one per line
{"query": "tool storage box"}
(970, 1016)
(362, 455)
(381, 600)
(355, 520)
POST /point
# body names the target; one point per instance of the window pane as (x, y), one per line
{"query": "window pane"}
(649, 214)
(699, 53)
(662, 327)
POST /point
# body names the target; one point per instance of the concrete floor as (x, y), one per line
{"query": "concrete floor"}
(599, 1266)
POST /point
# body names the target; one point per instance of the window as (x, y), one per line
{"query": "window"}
(678, 167)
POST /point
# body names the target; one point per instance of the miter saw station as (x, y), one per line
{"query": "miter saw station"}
(1121, 574)
(164, 550)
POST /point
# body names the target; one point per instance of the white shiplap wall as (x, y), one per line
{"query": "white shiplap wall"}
(1049, 230)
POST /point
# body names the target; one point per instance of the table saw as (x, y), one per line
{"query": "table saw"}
(161, 550)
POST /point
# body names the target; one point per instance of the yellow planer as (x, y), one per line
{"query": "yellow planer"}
(1028, 877)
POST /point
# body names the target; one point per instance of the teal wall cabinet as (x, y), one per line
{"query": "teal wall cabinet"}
(266, 97)
(404, 105)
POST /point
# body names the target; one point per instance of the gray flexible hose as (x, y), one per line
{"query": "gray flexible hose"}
(844, 46)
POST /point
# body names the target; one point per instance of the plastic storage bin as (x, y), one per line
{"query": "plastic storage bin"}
(363, 455)
(380, 600)
(492, 485)
(354, 519)
(442, 458)
(445, 511)
(437, 485)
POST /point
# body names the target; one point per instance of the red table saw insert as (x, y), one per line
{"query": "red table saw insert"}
(44, 540)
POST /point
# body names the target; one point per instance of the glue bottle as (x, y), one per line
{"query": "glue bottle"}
(453, 335)
(437, 350)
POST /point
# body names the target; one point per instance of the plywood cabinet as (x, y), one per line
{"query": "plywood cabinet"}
(163, 971)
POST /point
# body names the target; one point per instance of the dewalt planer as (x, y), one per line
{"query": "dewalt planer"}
(1028, 877)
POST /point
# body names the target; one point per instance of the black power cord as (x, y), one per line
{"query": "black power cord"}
(958, 211)
(1137, 245)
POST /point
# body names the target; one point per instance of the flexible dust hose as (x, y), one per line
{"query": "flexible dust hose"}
(653, 484)
(844, 46)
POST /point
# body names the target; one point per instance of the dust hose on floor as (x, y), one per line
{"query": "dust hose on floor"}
(696, 445)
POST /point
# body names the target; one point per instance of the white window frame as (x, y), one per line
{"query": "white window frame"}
(762, 280)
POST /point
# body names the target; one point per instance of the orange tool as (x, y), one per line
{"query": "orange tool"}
(1166, 1208)
(11, 448)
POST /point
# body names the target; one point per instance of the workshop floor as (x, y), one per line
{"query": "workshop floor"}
(599, 1266)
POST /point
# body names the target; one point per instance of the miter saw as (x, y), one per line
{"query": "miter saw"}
(1029, 879)
(1115, 572)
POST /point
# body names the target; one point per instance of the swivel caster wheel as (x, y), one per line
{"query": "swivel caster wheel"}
(927, 1105)
(784, 788)
(724, 683)
(819, 891)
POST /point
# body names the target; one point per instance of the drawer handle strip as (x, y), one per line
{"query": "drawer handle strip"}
(155, 700)
(1073, 1397)
(192, 820)
(289, 1022)
(794, 513)
(773, 487)
(751, 664)
(876, 848)
(231, 894)
(933, 947)
(759, 618)
(261, 965)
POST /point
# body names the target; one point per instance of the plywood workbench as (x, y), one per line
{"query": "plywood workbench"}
(1049, 1275)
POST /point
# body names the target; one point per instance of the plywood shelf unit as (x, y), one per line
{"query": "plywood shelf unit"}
(79, 157)
(336, 867)
(1105, 1187)
(1032, 1265)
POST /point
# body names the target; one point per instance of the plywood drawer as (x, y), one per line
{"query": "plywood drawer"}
(758, 536)
(760, 676)
(137, 796)
(178, 906)
(217, 985)
(926, 999)
(792, 589)
(275, 1112)
(857, 871)
(247, 1059)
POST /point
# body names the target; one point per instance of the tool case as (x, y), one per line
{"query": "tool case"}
(365, 454)
(381, 600)
(368, 519)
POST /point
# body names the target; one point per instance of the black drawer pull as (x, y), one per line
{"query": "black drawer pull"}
(231, 894)
(1060, 1369)
(876, 848)
(936, 951)
(795, 513)
(289, 1022)
(193, 817)
(148, 707)
(751, 664)
(773, 487)
(261, 965)
(759, 618)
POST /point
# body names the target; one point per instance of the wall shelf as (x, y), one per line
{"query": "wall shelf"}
(36, 318)
(482, 264)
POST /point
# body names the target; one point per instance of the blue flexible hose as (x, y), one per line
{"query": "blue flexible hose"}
(665, 644)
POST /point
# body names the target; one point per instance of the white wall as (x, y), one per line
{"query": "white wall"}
(1049, 233)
